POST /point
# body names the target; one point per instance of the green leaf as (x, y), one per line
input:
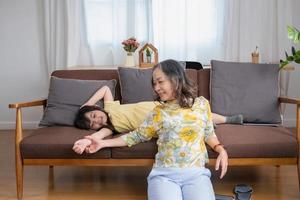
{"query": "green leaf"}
(298, 53)
(282, 64)
(293, 50)
(290, 32)
(286, 55)
(297, 61)
(290, 58)
(293, 34)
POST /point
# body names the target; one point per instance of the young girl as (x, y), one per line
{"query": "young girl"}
(182, 123)
(120, 118)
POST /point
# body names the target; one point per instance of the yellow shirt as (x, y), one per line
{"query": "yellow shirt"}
(127, 117)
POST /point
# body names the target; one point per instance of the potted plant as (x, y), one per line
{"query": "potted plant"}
(148, 55)
(294, 35)
(130, 45)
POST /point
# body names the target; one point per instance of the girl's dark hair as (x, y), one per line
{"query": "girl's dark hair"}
(82, 122)
(184, 88)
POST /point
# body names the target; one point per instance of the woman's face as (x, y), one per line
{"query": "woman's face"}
(162, 85)
(97, 119)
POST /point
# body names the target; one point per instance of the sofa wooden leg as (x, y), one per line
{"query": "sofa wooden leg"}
(19, 179)
(298, 138)
(19, 176)
(18, 156)
(298, 167)
(51, 177)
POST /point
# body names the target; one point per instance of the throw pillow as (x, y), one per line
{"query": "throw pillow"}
(136, 84)
(247, 89)
(67, 95)
(135, 79)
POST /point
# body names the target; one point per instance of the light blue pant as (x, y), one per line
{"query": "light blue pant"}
(180, 184)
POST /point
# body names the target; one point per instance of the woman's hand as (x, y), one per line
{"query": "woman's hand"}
(96, 144)
(80, 145)
(222, 160)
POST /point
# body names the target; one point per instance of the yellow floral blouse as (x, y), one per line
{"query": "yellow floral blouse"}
(181, 133)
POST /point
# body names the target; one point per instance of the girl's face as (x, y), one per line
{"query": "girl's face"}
(97, 119)
(162, 85)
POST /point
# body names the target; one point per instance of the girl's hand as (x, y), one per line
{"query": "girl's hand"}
(222, 160)
(80, 145)
(96, 145)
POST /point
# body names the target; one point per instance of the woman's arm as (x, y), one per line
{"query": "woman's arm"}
(81, 144)
(97, 144)
(144, 132)
(103, 93)
(222, 159)
(212, 140)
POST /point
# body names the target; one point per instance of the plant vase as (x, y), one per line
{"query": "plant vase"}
(148, 58)
(129, 61)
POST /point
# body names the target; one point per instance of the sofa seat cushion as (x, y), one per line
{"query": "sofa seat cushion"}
(56, 143)
(257, 141)
(146, 150)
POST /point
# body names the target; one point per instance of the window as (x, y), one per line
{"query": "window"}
(180, 29)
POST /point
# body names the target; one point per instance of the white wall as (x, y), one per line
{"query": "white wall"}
(23, 74)
(22, 67)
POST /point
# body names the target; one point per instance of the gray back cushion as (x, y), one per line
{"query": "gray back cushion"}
(67, 95)
(136, 84)
(247, 89)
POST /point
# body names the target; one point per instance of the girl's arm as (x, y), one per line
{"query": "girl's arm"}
(222, 159)
(103, 93)
(102, 133)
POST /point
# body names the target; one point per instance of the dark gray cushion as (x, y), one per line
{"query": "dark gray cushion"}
(136, 84)
(247, 89)
(67, 95)
(135, 79)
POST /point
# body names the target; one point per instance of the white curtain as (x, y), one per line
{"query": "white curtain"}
(90, 32)
(65, 43)
(188, 29)
(251, 23)
(109, 22)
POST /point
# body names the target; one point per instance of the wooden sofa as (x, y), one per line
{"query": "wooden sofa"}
(246, 145)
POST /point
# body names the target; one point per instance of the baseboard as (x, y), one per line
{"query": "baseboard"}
(12, 125)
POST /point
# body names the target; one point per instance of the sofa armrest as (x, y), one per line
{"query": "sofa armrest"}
(19, 129)
(42, 102)
(289, 100)
(18, 106)
(297, 102)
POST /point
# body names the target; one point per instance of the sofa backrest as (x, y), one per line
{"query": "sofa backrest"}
(204, 83)
(200, 77)
(91, 74)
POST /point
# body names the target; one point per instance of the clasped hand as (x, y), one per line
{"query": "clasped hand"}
(88, 145)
